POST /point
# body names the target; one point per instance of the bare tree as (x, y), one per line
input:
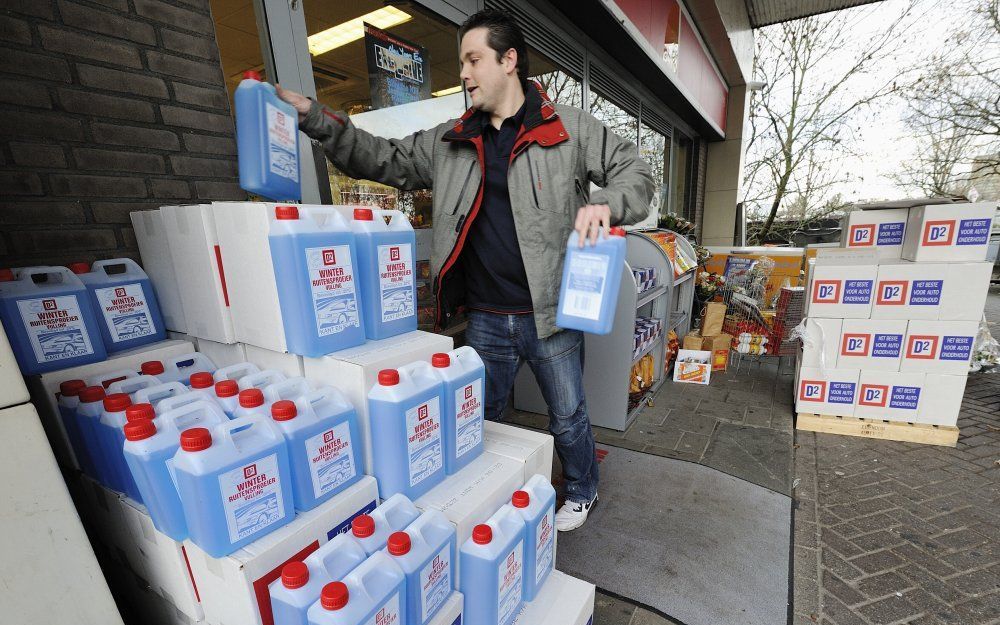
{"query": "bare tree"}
(804, 122)
(943, 151)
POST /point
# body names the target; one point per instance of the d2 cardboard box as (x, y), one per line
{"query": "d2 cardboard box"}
(938, 347)
(891, 396)
(841, 284)
(943, 400)
(871, 344)
(826, 391)
(451, 612)
(199, 266)
(718, 345)
(532, 448)
(881, 229)
(949, 233)
(562, 600)
(354, 371)
(222, 354)
(820, 343)
(289, 364)
(158, 263)
(908, 290)
(234, 589)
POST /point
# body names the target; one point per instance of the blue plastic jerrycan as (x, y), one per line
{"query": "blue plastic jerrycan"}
(491, 569)
(88, 415)
(234, 483)
(122, 296)
(113, 418)
(251, 398)
(178, 368)
(323, 439)
(267, 140)
(372, 531)
(404, 408)
(370, 594)
(300, 583)
(235, 371)
(69, 399)
(591, 277)
(425, 551)
(536, 503)
(463, 376)
(150, 447)
(386, 248)
(315, 267)
(131, 386)
(156, 394)
(50, 321)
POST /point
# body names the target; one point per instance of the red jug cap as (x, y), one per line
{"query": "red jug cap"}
(294, 575)
(283, 410)
(92, 394)
(72, 388)
(6, 275)
(441, 361)
(363, 214)
(196, 439)
(388, 377)
(79, 268)
(251, 75)
(227, 388)
(617, 231)
(139, 412)
(151, 367)
(139, 430)
(482, 534)
(363, 526)
(251, 398)
(116, 402)
(286, 212)
(202, 379)
(399, 544)
(334, 596)
(521, 499)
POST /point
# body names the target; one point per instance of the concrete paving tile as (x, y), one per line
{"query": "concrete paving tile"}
(722, 410)
(612, 611)
(696, 423)
(693, 443)
(661, 436)
(758, 455)
(759, 416)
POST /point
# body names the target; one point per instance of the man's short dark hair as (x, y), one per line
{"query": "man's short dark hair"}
(503, 34)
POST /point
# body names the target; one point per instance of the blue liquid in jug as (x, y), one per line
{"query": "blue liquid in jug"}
(386, 259)
(591, 278)
(267, 139)
(123, 297)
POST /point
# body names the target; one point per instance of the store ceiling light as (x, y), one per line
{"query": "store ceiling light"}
(352, 30)
(449, 91)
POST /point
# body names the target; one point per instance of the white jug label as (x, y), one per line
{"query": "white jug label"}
(435, 583)
(281, 134)
(588, 276)
(331, 462)
(423, 440)
(395, 280)
(126, 311)
(55, 328)
(331, 282)
(509, 581)
(251, 497)
(388, 614)
(544, 545)
(468, 417)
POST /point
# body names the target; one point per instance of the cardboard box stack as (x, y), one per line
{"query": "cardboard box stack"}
(892, 315)
(710, 337)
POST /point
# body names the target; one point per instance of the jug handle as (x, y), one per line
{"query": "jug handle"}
(200, 405)
(244, 369)
(197, 358)
(232, 431)
(170, 389)
(28, 274)
(129, 264)
(330, 394)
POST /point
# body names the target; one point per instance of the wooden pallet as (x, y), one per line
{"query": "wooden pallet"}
(876, 428)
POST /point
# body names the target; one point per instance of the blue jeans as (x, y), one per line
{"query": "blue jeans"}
(504, 342)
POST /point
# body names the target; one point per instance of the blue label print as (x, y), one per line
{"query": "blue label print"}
(926, 292)
(857, 291)
(956, 347)
(891, 233)
(841, 393)
(973, 232)
(887, 345)
(905, 397)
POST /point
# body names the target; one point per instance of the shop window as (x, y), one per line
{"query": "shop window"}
(654, 149)
(561, 86)
(680, 202)
(239, 41)
(620, 121)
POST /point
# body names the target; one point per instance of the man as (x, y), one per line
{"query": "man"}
(511, 180)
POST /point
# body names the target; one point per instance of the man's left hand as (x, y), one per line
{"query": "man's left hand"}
(589, 221)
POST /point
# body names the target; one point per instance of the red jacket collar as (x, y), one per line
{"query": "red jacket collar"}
(538, 110)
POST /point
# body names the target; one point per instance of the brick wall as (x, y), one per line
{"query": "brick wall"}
(106, 107)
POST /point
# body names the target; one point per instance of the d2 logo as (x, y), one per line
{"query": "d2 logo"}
(329, 257)
(250, 471)
(855, 344)
(862, 235)
(49, 304)
(328, 436)
(826, 291)
(422, 413)
(873, 395)
(120, 292)
(812, 390)
(922, 347)
(941, 232)
(393, 254)
(468, 392)
(892, 292)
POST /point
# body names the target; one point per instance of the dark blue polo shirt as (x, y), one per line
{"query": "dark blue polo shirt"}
(494, 270)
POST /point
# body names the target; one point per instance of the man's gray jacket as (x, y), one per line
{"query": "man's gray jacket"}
(558, 152)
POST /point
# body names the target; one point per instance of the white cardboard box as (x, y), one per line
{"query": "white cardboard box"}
(194, 245)
(943, 400)
(246, 254)
(826, 391)
(820, 343)
(222, 354)
(472, 495)
(45, 387)
(938, 346)
(233, 589)
(880, 229)
(165, 561)
(12, 388)
(354, 371)
(102, 513)
(532, 448)
(949, 232)
(451, 612)
(289, 364)
(158, 263)
(49, 572)
(871, 344)
(890, 395)
(841, 284)
(908, 290)
(563, 600)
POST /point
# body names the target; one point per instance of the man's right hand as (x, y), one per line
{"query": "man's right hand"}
(301, 103)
